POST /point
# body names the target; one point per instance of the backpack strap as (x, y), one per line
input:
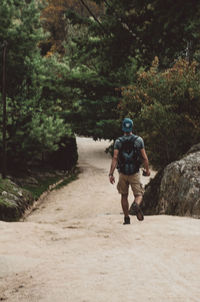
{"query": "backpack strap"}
(133, 139)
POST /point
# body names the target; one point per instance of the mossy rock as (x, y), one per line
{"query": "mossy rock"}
(14, 201)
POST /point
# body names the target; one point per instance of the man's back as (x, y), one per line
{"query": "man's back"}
(129, 159)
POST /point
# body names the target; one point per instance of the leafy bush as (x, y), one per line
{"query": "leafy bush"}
(165, 106)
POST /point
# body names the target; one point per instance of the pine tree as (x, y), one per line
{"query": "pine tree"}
(34, 121)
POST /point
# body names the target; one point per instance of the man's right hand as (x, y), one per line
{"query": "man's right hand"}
(146, 173)
(112, 179)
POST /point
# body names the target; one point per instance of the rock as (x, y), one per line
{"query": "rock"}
(10, 202)
(177, 189)
(11, 197)
(151, 196)
(194, 148)
(180, 187)
(14, 201)
(20, 193)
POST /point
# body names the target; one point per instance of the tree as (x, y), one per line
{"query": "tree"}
(144, 29)
(55, 22)
(20, 27)
(112, 48)
(35, 124)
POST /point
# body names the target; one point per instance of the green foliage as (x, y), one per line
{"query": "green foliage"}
(107, 52)
(35, 90)
(165, 107)
(66, 156)
(66, 181)
(47, 131)
(20, 27)
(142, 30)
(94, 113)
(44, 185)
(94, 95)
(49, 183)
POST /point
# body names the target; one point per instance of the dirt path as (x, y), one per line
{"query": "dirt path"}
(74, 248)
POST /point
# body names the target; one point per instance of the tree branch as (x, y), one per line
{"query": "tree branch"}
(125, 25)
(91, 13)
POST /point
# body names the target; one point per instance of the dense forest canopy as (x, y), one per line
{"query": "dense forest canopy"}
(81, 66)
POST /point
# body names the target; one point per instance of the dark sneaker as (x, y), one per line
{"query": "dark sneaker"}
(136, 210)
(133, 209)
(126, 220)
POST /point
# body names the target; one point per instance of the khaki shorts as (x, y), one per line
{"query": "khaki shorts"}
(133, 181)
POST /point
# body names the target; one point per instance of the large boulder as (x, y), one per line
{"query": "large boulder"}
(151, 195)
(194, 148)
(176, 190)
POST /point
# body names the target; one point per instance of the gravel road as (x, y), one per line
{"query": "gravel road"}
(74, 248)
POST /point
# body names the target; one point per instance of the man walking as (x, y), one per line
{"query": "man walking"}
(128, 155)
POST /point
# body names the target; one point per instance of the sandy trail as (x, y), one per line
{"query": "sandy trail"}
(74, 248)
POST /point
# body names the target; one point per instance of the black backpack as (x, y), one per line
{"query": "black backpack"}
(129, 159)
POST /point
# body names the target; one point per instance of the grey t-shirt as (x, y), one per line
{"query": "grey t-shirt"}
(139, 143)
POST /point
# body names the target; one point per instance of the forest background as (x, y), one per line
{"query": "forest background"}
(79, 67)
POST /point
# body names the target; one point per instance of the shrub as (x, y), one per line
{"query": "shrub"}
(65, 158)
(165, 106)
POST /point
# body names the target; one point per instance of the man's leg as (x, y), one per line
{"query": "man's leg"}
(138, 199)
(122, 188)
(139, 213)
(125, 205)
(138, 194)
(135, 208)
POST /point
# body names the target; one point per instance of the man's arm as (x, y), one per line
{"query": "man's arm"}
(113, 166)
(145, 162)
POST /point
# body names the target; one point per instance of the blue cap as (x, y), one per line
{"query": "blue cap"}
(127, 125)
